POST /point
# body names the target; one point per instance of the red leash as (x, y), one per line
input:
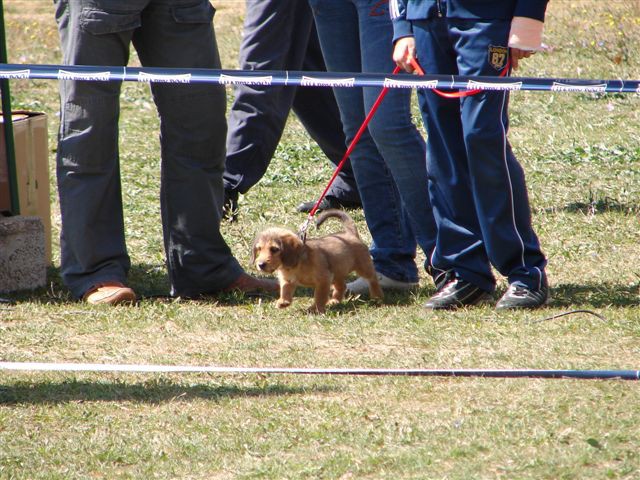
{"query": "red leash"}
(466, 93)
(303, 230)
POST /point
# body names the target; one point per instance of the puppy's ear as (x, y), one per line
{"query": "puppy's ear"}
(291, 250)
(254, 247)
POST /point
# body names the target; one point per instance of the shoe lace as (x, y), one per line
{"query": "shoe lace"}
(440, 277)
(447, 289)
(518, 291)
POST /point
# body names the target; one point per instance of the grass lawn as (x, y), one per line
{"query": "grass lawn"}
(581, 154)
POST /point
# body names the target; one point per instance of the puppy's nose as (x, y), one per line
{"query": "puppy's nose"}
(262, 265)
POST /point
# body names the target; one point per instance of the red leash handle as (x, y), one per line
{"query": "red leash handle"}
(465, 93)
(350, 149)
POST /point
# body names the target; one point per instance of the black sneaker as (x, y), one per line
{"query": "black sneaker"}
(457, 293)
(518, 296)
(440, 277)
(230, 205)
(328, 203)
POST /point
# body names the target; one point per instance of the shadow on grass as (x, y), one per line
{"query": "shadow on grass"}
(595, 295)
(146, 280)
(601, 206)
(153, 392)
(595, 207)
(150, 282)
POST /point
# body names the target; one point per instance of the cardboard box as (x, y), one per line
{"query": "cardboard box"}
(30, 138)
(5, 186)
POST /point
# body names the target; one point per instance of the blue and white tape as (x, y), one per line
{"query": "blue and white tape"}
(310, 79)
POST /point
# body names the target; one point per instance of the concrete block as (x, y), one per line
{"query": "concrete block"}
(23, 264)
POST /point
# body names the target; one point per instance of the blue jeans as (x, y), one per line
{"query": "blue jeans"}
(389, 162)
(165, 33)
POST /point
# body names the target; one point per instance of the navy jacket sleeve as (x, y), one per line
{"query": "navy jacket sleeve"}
(531, 9)
(401, 26)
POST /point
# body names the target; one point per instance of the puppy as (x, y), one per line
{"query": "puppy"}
(319, 262)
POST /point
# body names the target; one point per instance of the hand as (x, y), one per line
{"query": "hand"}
(518, 54)
(525, 37)
(403, 52)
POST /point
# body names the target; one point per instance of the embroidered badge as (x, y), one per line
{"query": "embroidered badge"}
(498, 57)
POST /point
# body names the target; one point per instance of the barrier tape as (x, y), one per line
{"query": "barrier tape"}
(138, 368)
(310, 79)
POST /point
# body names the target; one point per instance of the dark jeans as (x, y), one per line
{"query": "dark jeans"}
(280, 35)
(169, 33)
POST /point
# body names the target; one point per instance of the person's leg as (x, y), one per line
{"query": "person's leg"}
(318, 111)
(394, 245)
(498, 228)
(459, 246)
(392, 128)
(88, 173)
(497, 179)
(193, 131)
(275, 37)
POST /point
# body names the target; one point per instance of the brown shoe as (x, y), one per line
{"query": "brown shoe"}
(110, 293)
(245, 283)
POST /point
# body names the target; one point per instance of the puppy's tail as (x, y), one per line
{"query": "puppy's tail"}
(347, 221)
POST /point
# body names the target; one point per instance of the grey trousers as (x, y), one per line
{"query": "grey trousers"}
(165, 33)
(281, 35)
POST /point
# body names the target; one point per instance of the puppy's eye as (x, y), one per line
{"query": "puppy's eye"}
(274, 249)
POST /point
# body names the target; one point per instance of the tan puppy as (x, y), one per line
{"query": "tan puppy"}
(319, 262)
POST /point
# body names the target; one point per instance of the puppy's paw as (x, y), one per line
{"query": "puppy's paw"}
(377, 300)
(333, 301)
(282, 303)
(315, 310)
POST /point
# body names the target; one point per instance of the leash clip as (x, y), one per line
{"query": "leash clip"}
(302, 233)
